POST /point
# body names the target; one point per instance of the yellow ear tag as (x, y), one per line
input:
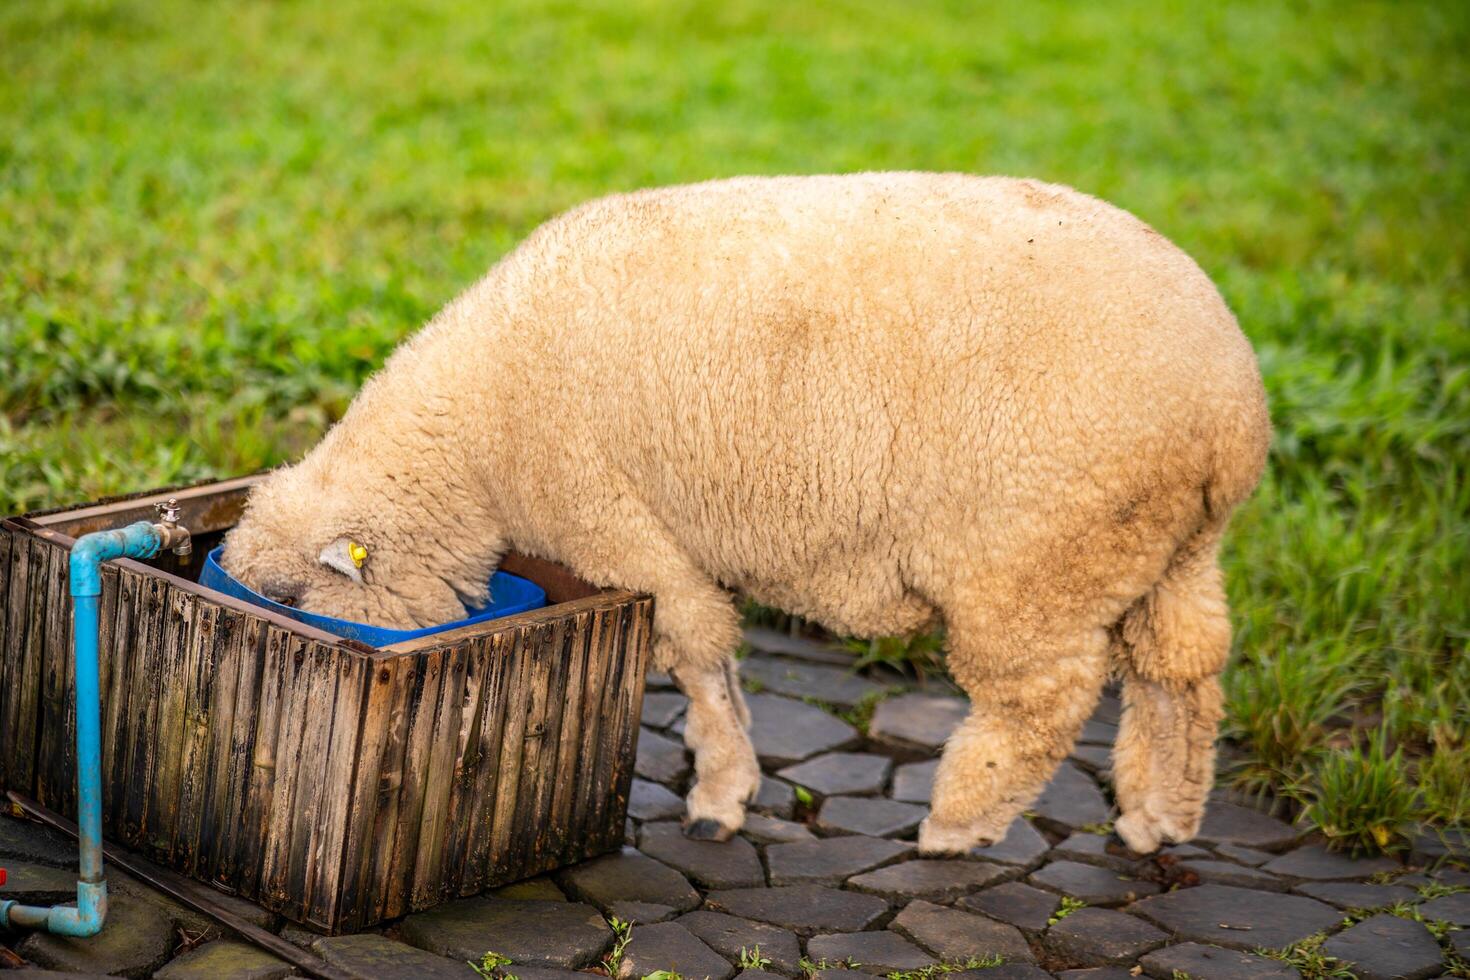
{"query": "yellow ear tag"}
(357, 553)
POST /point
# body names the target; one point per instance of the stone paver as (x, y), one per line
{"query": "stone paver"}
(25, 840)
(530, 890)
(1098, 849)
(629, 876)
(773, 830)
(834, 685)
(1098, 733)
(662, 708)
(710, 864)
(917, 720)
(913, 782)
(1097, 758)
(1018, 904)
(1006, 971)
(1213, 963)
(1230, 823)
(650, 801)
(829, 861)
(874, 952)
(1071, 800)
(1386, 947)
(955, 937)
(1102, 937)
(374, 957)
(669, 946)
(841, 773)
(1315, 863)
(786, 732)
(1228, 873)
(641, 913)
(225, 959)
(936, 880)
(135, 942)
(565, 934)
(1356, 895)
(1238, 917)
(1454, 909)
(1248, 856)
(729, 935)
(660, 758)
(38, 884)
(1022, 845)
(1091, 884)
(864, 815)
(774, 797)
(804, 909)
(775, 641)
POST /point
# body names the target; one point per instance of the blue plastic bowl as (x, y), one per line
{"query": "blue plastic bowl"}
(509, 594)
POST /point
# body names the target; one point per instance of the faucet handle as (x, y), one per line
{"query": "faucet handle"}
(168, 511)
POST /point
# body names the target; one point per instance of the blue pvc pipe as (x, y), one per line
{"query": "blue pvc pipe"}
(140, 540)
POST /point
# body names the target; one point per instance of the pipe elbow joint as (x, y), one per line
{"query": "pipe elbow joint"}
(139, 540)
(85, 919)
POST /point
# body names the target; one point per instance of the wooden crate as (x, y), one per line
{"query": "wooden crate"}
(337, 784)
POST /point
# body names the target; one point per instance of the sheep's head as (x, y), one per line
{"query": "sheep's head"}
(335, 546)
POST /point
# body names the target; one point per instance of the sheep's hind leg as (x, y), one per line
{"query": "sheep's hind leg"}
(1029, 693)
(1171, 647)
(725, 768)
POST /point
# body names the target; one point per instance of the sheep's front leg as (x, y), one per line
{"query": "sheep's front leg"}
(1029, 697)
(726, 774)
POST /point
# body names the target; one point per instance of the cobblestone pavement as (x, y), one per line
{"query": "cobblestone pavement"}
(824, 876)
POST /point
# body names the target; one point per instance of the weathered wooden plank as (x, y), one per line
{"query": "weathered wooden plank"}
(375, 727)
(259, 798)
(119, 670)
(53, 775)
(609, 745)
(470, 760)
(569, 743)
(250, 642)
(508, 780)
(503, 668)
(146, 654)
(429, 872)
(301, 725)
(539, 832)
(29, 667)
(324, 871)
(198, 677)
(407, 683)
(585, 773)
(107, 664)
(423, 707)
(320, 677)
(7, 694)
(633, 654)
(223, 657)
(518, 858)
(173, 693)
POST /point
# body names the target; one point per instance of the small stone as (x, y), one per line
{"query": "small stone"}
(225, 959)
(786, 731)
(628, 876)
(1226, 873)
(1248, 856)
(832, 685)
(913, 782)
(566, 934)
(917, 720)
(1102, 937)
(1230, 823)
(1098, 733)
(1022, 845)
(26, 840)
(936, 880)
(662, 708)
(136, 940)
(956, 937)
(711, 864)
(1028, 909)
(1356, 895)
(772, 830)
(1091, 884)
(530, 890)
(660, 759)
(874, 952)
(370, 956)
(38, 884)
(839, 773)
(1096, 849)
(1214, 963)
(729, 936)
(1238, 917)
(650, 801)
(863, 815)
(775, 798)
(1386, 947)
(1451, 908)
(1316, 863)
(804, 909)
(1070, 801)
(641, 913)
(829, 861)
(669, 946)
(1095, 758)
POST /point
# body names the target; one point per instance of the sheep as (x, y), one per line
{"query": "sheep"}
(881, 401)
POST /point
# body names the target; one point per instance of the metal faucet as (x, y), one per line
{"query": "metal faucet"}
(173, 535)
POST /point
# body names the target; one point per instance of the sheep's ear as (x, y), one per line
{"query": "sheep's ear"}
(346, 556)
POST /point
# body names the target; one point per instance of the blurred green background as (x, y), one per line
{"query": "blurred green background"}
(216, 219)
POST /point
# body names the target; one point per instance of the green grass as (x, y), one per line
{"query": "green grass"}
(216, 219)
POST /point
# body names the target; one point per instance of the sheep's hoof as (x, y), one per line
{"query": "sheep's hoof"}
(937, 840)
(1139, 834)
(707, 829)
